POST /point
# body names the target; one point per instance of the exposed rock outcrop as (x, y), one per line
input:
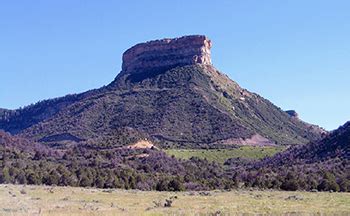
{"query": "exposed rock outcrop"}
(160, 55)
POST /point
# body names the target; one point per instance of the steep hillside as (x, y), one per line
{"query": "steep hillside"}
(167, 92)
(335, 146)
(14, 121)
(185, 106)
(322, 165)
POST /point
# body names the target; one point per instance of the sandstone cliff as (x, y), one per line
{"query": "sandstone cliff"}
(167, 53)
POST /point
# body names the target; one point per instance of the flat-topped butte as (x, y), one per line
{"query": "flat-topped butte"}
(167, 53)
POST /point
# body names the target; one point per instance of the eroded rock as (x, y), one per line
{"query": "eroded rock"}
(160, 55)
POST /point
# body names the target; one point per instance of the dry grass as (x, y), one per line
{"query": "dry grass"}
(43, 200)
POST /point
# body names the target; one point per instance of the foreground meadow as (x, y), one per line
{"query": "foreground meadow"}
(44, 200)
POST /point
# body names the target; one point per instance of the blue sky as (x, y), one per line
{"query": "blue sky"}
(295, 53)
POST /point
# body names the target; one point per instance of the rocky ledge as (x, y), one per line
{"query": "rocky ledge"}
(160, 55)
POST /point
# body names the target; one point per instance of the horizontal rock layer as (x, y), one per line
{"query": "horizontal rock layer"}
(167, 53)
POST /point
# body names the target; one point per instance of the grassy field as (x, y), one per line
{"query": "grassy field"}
(221, 155)
(42, 200)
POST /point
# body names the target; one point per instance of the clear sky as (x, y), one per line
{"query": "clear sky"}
(295, 53)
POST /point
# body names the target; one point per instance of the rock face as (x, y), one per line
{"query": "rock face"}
(160, 55)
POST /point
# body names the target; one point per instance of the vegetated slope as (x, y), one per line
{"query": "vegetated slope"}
(3, 110)
(336, 145)
(144, 169)
(9, 142)
(13, 149)
(152, 169)
(14, 121)
(190, 106)
(322, 165)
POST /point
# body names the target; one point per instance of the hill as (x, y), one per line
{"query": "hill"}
(336, 145)
(321, 165)
(168, 92)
